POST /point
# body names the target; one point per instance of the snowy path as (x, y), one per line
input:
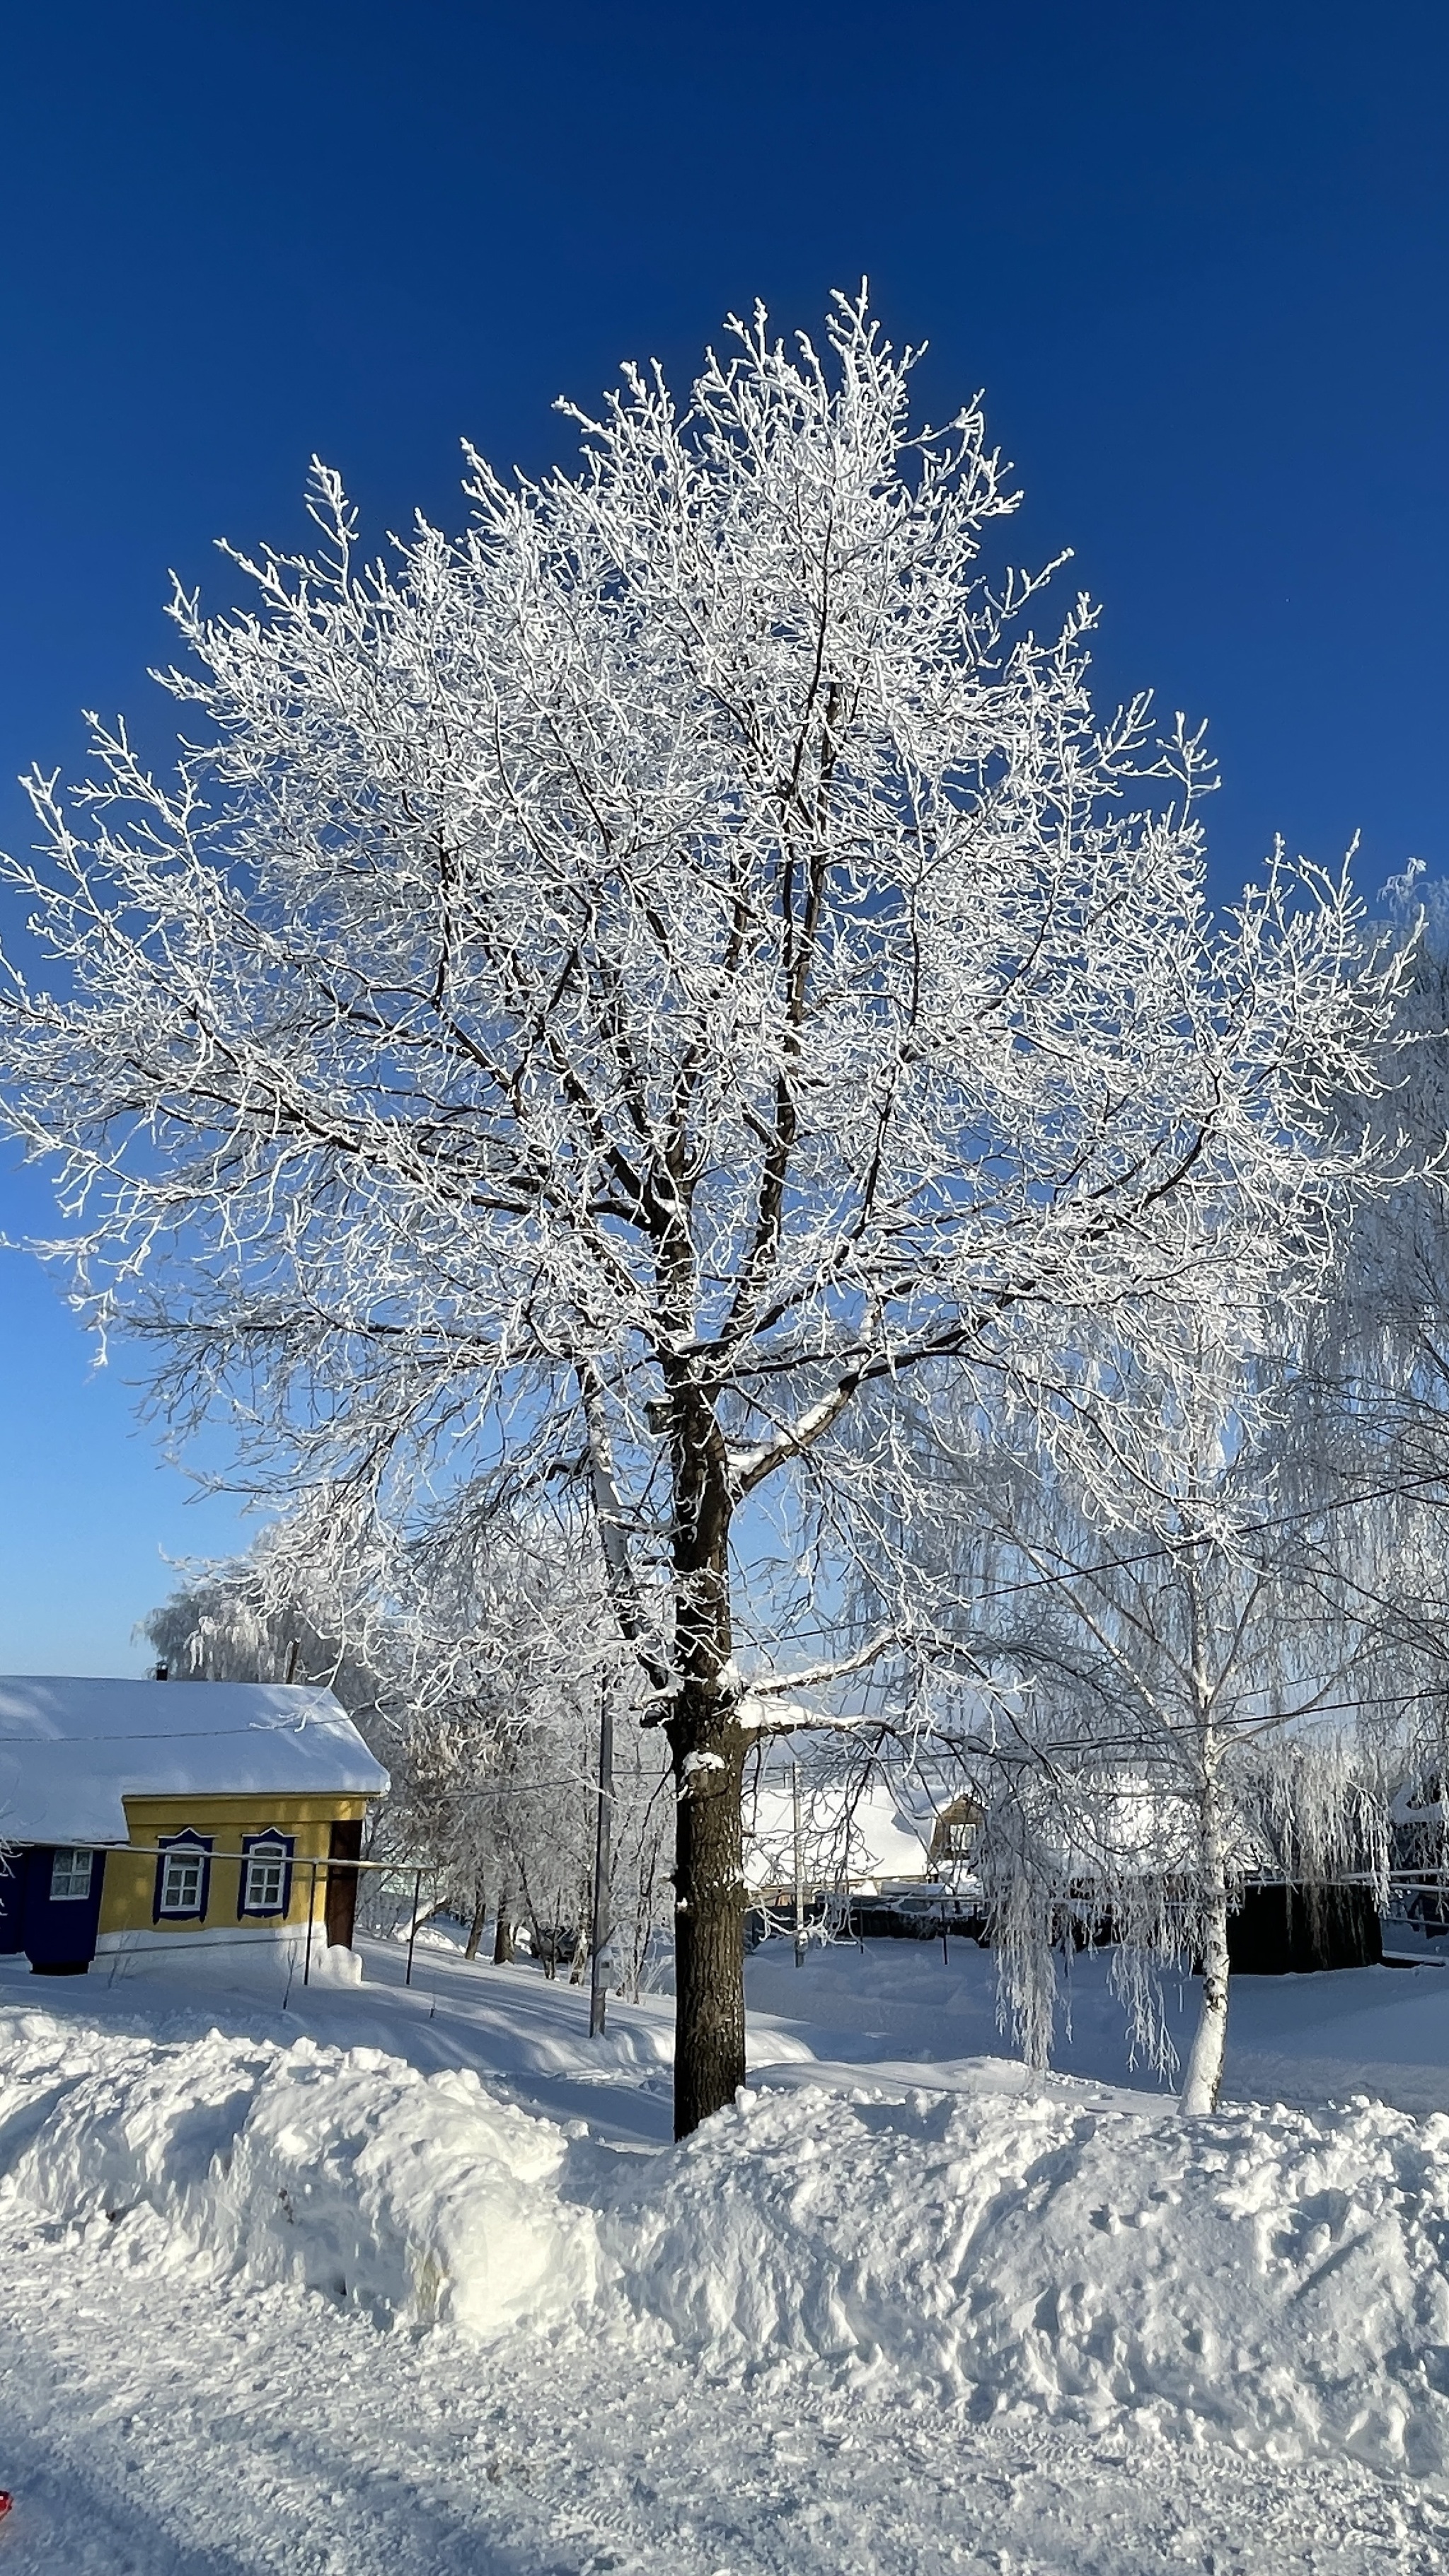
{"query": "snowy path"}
(155, 2425)
(1303, 2040)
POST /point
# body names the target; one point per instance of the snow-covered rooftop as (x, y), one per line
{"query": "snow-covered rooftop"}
(72, 1750)
(884, 1840)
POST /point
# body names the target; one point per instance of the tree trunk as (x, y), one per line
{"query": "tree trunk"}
(709, 1950)
(578, 1965)
(1205, 2066)
(475, 1928)
(503, 1936)
(708, 1744)
(706, 1739)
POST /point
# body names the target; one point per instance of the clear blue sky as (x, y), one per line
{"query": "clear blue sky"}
(1195, 255)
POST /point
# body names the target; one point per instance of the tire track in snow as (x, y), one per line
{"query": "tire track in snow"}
(158, 2423)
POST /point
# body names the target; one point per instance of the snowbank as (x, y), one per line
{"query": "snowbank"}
(1281, 2276)
(1277, 2275)
(412, 2196)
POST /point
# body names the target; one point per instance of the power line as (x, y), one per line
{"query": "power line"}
(1169, 1548)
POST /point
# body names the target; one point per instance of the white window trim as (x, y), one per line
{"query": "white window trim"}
(184, 1850)
(188, 1864)
(269, 1851)
(71, 1895)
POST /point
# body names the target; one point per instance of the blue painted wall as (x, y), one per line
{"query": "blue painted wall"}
(52, 1935)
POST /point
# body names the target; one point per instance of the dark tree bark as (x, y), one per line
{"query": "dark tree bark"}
(475, 1928)
(709, 1955)
(708, 1745)
(503, 1936)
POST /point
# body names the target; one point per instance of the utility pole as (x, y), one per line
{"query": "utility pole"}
(799, 1870)
(603, 1868)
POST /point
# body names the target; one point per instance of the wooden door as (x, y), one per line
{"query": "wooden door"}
(345, 1846)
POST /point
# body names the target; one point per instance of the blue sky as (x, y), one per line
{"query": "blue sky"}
(1195, 256)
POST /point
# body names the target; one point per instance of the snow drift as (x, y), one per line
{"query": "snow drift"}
(412, 2196)
(1279, 2276)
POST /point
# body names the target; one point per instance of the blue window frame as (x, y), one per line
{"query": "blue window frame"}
(264, 1880)
(183, 1877)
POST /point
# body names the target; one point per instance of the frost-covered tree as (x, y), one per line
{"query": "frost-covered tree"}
(1151, 1690)
(1368, 1449)
(534, 1826)
(255, 1617)
(639, 973)
(513, 1660)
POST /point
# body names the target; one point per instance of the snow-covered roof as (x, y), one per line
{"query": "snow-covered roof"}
(70, 1751)
(1419, 1802)
(884, 1840)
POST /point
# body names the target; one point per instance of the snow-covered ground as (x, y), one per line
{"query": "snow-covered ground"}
(412, 2280)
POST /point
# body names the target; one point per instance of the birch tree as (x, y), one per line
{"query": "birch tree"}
(636, 974)
(1152, 1706)
(1370, 1439)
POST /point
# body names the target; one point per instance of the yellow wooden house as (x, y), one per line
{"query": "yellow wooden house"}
(198, 1825)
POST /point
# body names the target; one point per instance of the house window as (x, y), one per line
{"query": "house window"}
(266, 1875)
(181, 1883)
(955, 1831)
(70, 1877)
(182, 1874)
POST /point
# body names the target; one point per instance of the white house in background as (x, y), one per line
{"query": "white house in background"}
(900, 1829)
(210, 1824)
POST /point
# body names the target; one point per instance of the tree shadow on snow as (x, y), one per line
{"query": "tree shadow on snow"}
(81, 2521)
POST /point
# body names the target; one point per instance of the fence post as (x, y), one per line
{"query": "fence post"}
(603, 1870)
(799, 1870)
(413, 1925)
(311, 1910)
